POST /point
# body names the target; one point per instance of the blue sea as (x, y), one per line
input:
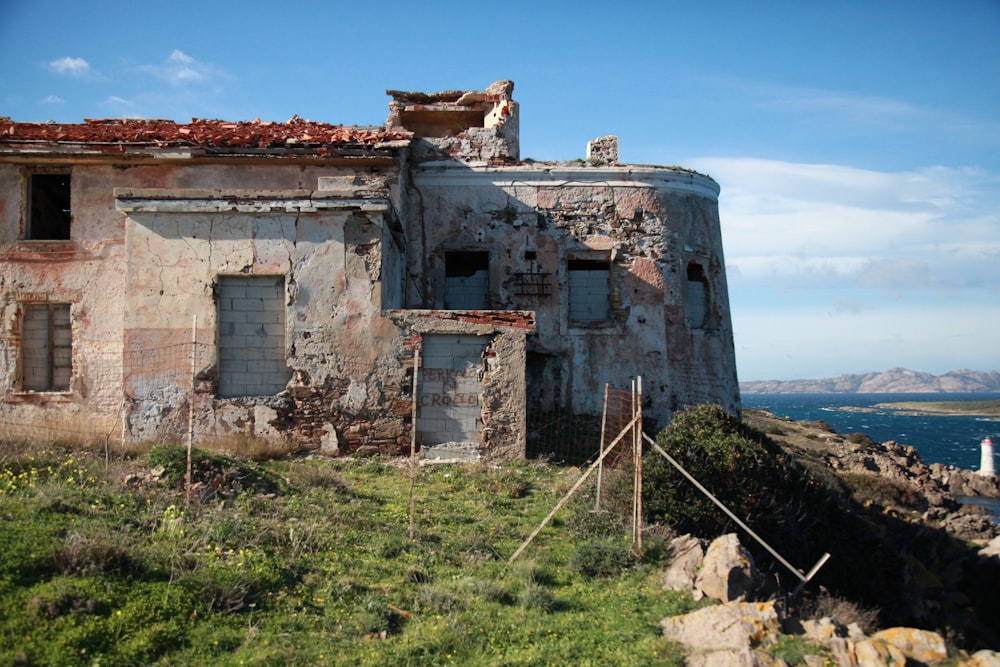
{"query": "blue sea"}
(951, 440)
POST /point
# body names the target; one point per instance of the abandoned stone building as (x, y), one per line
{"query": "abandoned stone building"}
(159, 278)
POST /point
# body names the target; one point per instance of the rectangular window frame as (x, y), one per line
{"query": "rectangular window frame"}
(48, 208)
(467, 280)
(243, 366)
(588, 275)
(46, 366)
(697, 296)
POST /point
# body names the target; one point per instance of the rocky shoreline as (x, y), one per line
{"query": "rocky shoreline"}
(936, 488)
(752, 624)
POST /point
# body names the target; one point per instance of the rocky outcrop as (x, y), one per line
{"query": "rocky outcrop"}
(933, 490)
(738, 633)
(686, 556)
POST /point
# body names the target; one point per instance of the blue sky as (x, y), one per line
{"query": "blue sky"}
(857, 143)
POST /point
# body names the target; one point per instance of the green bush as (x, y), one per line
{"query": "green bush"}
(537, 597)
(734, 462)
(602, 558)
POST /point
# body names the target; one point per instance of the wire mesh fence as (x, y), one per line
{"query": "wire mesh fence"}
(616, 488)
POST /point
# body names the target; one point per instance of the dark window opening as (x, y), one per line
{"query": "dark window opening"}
(467, 280)
(46, 347)
(48, 215)
(465, 264)
(438, 123)
(587, 265)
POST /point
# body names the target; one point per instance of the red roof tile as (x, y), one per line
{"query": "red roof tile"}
(198, 133)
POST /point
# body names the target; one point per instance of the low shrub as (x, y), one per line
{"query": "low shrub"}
(215, 475)
(537, 597)
(840, 609)
(96, 551)
(734, 462)
(870, 488)
(862, 439)
(602, 558)
(793, 649)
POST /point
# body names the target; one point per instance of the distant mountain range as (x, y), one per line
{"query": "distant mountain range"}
(892, 381)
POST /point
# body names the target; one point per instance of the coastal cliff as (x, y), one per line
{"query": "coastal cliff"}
(892, 381)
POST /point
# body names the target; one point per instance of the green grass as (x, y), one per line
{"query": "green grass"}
(297, 561)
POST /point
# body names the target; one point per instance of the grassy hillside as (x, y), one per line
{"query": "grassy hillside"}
(284, 560)
(309, 561)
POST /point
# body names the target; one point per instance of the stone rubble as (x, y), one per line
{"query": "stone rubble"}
(739, 633)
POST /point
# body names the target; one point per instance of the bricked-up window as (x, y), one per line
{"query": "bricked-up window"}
(46, 347)
(252, 336)
(589, 290)
(48, 212)
(467, 280)
(697, 296)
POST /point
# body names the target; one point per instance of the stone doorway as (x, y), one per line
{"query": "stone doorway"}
(449, 415)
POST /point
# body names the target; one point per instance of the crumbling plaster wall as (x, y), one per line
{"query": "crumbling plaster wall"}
(343, 356)
(648, 223)
(471, 126)
(138, 305)
(84, 271)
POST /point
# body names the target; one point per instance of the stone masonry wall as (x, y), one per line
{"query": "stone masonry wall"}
(645, 224)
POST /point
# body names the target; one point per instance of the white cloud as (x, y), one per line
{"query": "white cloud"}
(179, 56)
(69, 66)
(120, 107)
(834, 269)
(839, 108)
(869, 109)
(180, 69)
(849, 306)
(815, 224)
(53, 99)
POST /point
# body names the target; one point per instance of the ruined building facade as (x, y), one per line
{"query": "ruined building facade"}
(159, 278)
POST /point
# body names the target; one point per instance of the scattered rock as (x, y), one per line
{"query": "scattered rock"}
(737, 633)
(727, 572)
(873, 653)
(741, 658)
(992, 549)
(737, 626)
(920, 645)
(687, 554)
(984, 658)
(366, 451)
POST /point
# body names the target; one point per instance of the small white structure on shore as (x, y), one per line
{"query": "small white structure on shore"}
(986, 467)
